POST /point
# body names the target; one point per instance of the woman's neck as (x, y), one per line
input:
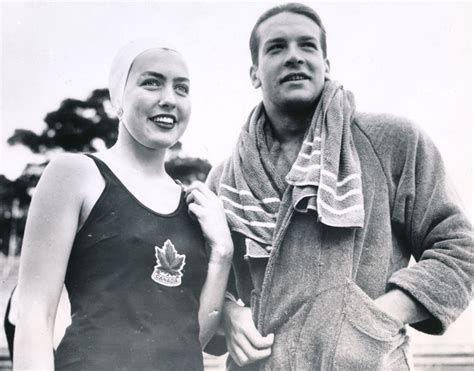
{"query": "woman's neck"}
(128, 153)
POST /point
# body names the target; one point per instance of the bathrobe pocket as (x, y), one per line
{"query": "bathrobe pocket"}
(368, 338)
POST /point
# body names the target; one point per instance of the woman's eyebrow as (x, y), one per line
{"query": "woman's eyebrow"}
(154, 74)
(163, 77)
(181, 79)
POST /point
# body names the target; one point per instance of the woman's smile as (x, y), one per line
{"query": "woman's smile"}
(164, 121)
(156, 101)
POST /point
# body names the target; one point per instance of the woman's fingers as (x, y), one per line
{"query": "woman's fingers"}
(195, 210)
(207, 208)
(195, 196)
(201, 187)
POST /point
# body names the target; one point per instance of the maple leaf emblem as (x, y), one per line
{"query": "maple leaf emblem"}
(169, 265)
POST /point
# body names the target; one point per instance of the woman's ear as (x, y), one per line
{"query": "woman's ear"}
(254, 77)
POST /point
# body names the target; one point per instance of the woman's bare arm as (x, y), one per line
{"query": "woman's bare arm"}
(49, 234)
(207, 208)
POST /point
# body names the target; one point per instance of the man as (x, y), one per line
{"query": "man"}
(326, 206)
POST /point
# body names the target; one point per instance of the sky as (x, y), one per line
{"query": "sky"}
(412, 59)
(407, 58)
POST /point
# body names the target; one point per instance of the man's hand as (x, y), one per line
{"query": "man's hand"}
(244, 343)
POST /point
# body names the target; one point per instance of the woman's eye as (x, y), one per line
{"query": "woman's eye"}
(151, 82)
(181, 88)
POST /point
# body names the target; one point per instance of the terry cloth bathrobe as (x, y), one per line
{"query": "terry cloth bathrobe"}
(330, 256)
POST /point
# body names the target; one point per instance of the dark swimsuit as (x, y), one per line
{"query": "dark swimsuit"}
(134, 280)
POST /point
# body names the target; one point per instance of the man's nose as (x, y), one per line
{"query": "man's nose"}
(293, 55)
(167, 97)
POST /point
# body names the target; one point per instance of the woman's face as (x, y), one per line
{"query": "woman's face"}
(156, 101)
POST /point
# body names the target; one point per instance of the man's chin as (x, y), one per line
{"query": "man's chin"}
(299, 103)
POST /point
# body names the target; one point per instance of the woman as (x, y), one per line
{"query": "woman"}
(144, 262)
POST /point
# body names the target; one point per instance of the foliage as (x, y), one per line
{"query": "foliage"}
(76, 126)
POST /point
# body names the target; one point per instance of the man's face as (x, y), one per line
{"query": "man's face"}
(291, 67)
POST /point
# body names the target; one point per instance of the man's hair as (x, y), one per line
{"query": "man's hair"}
(295, 8)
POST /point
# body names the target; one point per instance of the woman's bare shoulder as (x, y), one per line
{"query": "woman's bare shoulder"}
(70, 164)
(67, 173)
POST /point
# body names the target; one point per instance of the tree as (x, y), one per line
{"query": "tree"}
(76, 126)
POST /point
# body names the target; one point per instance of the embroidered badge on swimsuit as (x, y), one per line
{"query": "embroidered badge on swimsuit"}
(169, 265)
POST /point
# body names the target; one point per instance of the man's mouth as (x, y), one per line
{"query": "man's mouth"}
(164, 121)
(295, 77)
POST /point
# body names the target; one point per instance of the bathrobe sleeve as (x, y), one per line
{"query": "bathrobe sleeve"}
(439, 234)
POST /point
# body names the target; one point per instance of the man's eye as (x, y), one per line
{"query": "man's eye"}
(275, 47)
(309, 45)
(182, 88)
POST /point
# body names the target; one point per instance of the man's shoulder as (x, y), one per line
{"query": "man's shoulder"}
(214, 176)
(397, 141)
(384, 126)
(388, 134)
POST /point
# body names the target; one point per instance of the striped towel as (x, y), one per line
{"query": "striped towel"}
(250, 200)
(326, 174)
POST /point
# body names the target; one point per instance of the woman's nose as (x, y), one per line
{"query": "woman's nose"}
(167, 98)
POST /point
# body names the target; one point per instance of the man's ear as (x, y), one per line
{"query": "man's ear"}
(327, 69)
(254, 77)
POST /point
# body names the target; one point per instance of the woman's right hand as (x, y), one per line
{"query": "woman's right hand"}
(207, 208)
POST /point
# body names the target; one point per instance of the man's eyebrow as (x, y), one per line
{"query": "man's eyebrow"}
(163, 77)
(275, 40)
(308, 37)
(284, 40)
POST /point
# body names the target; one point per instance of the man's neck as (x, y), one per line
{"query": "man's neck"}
(289, 127)
(288, 131)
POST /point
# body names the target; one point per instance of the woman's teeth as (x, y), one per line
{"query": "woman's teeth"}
(164, 121)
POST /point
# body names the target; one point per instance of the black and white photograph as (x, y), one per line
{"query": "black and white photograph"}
(236, 185)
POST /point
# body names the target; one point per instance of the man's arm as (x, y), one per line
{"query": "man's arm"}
(432, 293)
